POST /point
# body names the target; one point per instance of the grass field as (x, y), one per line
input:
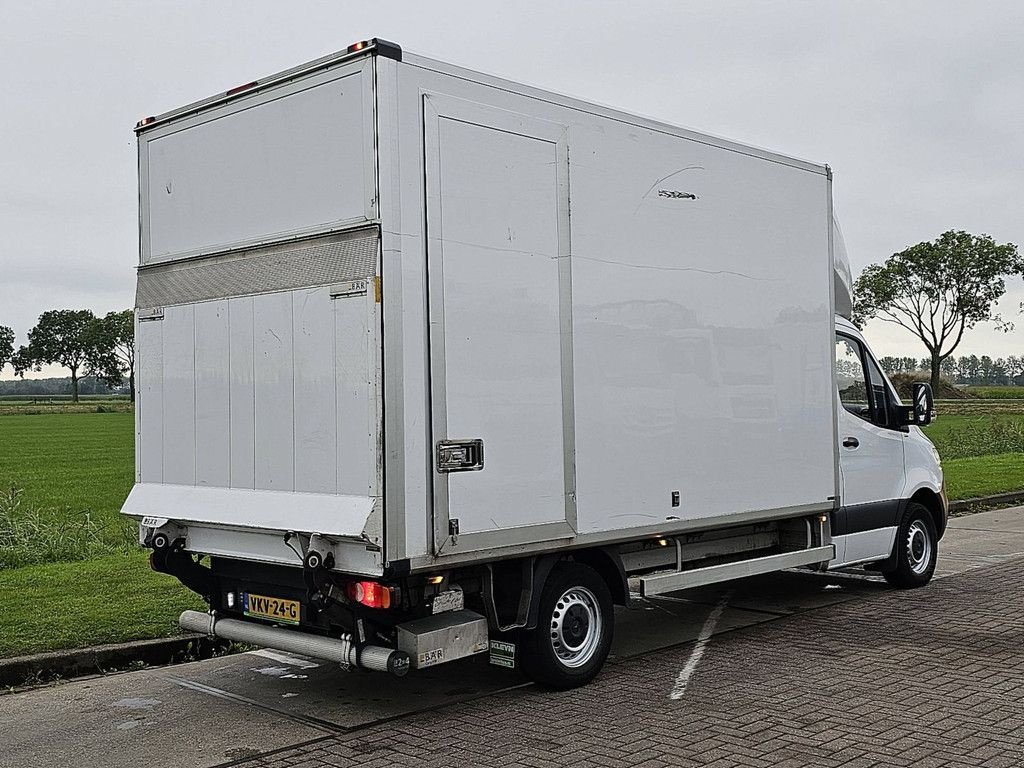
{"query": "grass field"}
(998, 393)
(981, 454)
(74, 471)
(70, 465)
(962, 436)
(74, 605)
(976, 476)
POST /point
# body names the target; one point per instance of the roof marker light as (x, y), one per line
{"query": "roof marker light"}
(380, 47)
(145, 121)
(240, 88)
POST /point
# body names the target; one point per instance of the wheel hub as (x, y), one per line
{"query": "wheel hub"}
(919, 547)
(576, 627)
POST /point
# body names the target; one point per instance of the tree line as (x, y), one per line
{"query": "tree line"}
(88, 346)
(965, 370)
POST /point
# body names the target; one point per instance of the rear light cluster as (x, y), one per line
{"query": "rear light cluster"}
(371, 594)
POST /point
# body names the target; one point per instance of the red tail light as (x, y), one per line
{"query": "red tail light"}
(370, 593)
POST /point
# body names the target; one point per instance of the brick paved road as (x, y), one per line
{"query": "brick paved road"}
(933, 677)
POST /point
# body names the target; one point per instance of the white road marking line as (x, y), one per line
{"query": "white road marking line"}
(683, 679)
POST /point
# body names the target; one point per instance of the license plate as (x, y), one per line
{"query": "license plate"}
(273, 608)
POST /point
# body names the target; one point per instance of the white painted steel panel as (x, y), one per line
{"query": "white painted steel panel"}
(353, 425)
(497, 250)
(842, 276)
(269, 391)
(316, 433)
(260, 545)
(701, 325)
(274, 404)
(279, 166)
(213, 394)
(242, 393)
(922, 464)
(671, 581)
(285, 385)
(701, 317)
(399, 449)
(179, 395)
(149, 406)
(329, 514)
(863, 546)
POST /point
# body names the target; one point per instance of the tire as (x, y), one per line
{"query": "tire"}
(917, 549)
(574, 629)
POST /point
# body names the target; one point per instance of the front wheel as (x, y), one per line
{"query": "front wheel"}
(917, 549)
(573, 635)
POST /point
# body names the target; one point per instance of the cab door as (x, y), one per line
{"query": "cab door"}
(871, 460)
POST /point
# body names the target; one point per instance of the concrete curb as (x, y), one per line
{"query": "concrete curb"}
(1010, 499)
(99, 659)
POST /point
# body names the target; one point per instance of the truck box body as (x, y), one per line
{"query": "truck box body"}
(430, 363)
(348, 266)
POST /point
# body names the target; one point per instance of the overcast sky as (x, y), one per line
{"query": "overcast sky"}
(917, 106)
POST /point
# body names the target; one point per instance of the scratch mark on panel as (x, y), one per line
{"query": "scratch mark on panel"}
(675, 194)
(676, 269)
(663, 179)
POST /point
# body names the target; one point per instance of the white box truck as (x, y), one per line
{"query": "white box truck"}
(431, 363)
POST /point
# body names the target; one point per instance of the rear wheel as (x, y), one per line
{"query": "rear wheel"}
(574, 629)
(917, 549)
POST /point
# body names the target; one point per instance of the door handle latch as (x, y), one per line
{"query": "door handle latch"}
(850, 442)
(460, 455)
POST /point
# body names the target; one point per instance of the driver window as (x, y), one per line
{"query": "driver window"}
(879, 394)
(850, 376)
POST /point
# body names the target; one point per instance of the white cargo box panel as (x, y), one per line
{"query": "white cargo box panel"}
(258, 334)
(273, 390)
(284, 161)
(623, 328)
(622, 312)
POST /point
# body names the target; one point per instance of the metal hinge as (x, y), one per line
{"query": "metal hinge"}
(453, 530)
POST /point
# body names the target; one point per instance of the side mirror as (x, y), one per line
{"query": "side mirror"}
(924, 404)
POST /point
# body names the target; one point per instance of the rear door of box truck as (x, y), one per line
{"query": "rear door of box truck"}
(258, 317)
